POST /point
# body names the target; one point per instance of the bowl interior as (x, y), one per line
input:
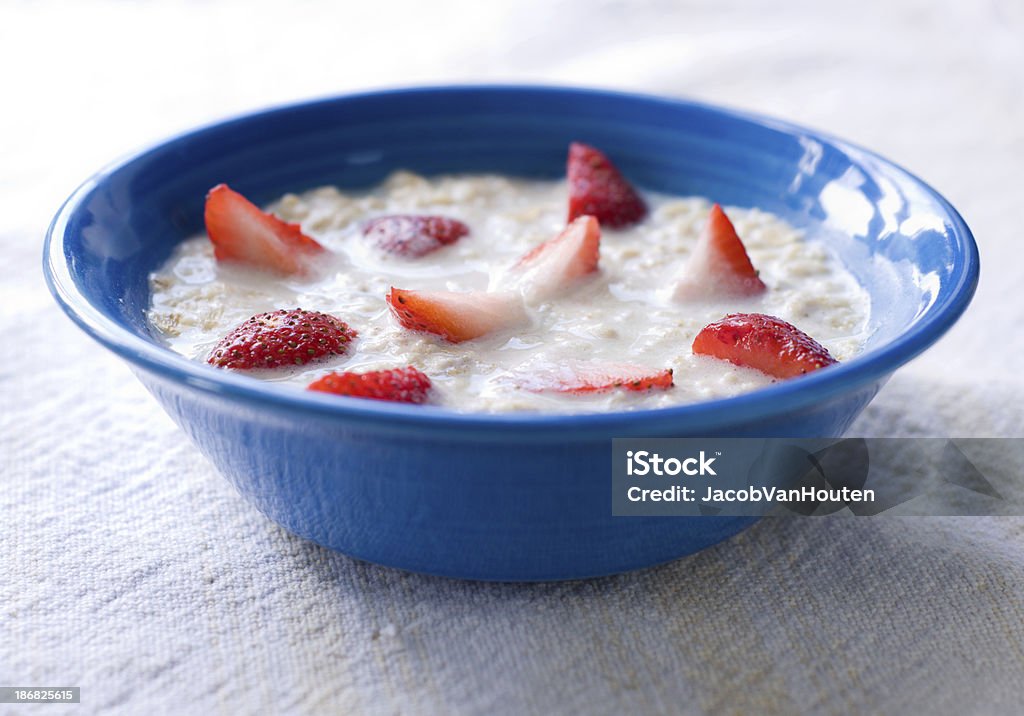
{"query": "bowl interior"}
(903, 242)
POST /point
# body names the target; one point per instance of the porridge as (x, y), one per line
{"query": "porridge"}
(591, 321)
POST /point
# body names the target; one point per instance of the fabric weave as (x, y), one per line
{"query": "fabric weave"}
(131, 569)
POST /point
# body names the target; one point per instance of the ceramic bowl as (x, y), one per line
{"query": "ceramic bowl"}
(512, 496)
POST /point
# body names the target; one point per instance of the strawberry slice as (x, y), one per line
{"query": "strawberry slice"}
(579, 378)
(555, 265)
(597, 188)
(766, 343)
(456, 317)
(719, 265)
(413, 236)
(241, 232)
(282, 338)
(399, 385)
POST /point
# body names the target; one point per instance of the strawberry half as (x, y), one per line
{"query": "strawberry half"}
(766, 343)
(282, 338)
(581, 378)
(413, 236)
(241, 232)
(400, 385)
(719, 265)
(557, 263)
(597, 188)
(454, 316)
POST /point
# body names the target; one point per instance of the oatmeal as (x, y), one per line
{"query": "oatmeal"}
(629, 311)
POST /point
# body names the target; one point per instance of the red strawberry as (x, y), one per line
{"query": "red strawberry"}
(558, 262)
(719, 265)
(456, 317)
(579, 378)
(241, 232)
(765, 343)
(282, 338)
(414, 236)
(401, 385)
(597, 188)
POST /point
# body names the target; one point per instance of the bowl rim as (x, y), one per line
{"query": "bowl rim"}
(707, 416)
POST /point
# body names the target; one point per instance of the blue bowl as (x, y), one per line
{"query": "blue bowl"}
(503, 497)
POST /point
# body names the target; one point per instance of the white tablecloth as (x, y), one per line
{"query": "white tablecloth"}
(131, 569)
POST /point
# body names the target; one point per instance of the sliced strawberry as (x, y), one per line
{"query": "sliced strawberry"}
(579, 378)
(413, 236)
(719, 265)
(241, 232)
(556, 264)
(282, 338)
(400, 385)
(597, 188)
(456, 317)
(766, 343)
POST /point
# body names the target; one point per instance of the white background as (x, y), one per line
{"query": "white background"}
(132, 570)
